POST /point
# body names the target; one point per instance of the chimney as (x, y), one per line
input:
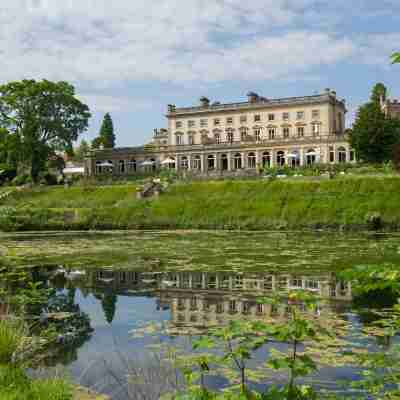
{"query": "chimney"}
(204, 102)
(252, 97)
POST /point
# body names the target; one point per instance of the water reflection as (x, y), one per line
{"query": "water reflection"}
(199, 300)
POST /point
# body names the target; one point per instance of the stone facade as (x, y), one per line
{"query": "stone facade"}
(238, 137)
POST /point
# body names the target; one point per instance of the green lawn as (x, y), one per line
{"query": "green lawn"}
(345, 202)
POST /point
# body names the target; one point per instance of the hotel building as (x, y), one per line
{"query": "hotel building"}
(236, 138)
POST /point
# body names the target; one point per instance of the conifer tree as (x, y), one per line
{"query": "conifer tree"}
(107, 132)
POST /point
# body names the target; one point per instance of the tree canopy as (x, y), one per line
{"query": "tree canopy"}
(374, 135)
(43, 117)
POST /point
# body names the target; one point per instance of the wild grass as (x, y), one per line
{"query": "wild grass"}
(342, 203)
(11, 336)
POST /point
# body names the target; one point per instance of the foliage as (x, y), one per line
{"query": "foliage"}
(375, 135)
(379, 93)
(81, 151)
(106, 136)
(380, 372)
(240, 340)
(43, 117)
(396, 58)
(11, 334)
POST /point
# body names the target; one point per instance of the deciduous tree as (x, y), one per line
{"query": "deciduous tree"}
(44, 116)
(374, 135)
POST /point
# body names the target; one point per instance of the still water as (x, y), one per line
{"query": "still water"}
(146, 291)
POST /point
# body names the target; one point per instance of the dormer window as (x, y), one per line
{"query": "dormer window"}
(271, 117)
(229, 120)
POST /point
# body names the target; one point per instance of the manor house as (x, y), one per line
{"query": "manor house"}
(238, 138)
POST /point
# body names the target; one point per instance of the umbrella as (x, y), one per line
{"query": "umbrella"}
(292, 155)
(147, 162)
(106, 164)
(168, 161)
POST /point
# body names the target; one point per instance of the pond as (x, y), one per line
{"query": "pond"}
(145, 292)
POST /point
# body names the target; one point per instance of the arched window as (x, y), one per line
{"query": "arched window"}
(266, 159)
(280, 158)
(237, 161)
(184, 162)
(211, 162)
(251, 160)
(224, 162)
(341, 154)
(311, 157)
(121, 166)
(132, 165)
(197, 162)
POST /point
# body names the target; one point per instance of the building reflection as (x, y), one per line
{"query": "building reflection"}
(199, 300)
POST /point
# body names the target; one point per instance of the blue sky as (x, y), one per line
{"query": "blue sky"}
(133, 57)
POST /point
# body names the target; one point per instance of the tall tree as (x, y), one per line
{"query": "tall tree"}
(378, 92)
(45, 117)
(107, 132)
(374, 135)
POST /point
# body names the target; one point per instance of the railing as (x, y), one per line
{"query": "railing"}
(246, 104)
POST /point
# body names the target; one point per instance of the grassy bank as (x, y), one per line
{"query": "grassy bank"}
(343, 203)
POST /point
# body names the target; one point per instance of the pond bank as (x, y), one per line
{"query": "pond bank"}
(348, 203)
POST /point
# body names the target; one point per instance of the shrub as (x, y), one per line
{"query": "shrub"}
(21, 180)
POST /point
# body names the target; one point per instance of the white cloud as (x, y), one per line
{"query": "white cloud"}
(103, 44)
(107, 103)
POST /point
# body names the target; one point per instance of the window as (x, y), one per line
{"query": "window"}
(203, 122)
(132, 165)
(315, 114)
(184, 162)
(257, 118)
(342, 154)
(285, 116)
(300, 115)
(178, 124)
(191, 123)
(121, 166)
(257, 134)
(315, 129)
(243, 135)
(179, 139)
(217, 137)
(300, 131)
(331, 154)
(197, 163)
(271, 133)
(286, 132)
(280, 158)
(352, 155)
(229, 136)
(211, 162)
(217, 121)
(268, 283)
(229, 120)
(312, 284)
(190, 139)
(232, 306)
(266, 159)
(260, 308)
(237, 163)
(296, 282)
(246, 307)
(243, 118)
(251, 160)
(271, 117)
(193, 303)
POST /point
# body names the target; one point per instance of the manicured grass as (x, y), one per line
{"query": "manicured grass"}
(343, 203)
